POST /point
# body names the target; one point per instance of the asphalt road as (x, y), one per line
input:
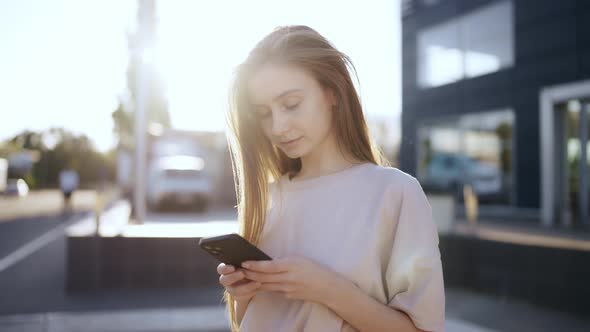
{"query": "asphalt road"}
(19, 231)
(37, 282)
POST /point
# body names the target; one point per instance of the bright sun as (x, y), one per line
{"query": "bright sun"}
(199, 47)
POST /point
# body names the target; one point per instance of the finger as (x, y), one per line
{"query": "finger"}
(225, 269)
(231, 278)
(265, 277)
(240, 282)
(275, 287)
(228, 279)
(274, 266)
(244, 290)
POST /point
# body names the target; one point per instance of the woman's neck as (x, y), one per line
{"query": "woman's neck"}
(325, 159)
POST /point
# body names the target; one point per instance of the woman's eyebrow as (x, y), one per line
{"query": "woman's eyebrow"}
(281, 95)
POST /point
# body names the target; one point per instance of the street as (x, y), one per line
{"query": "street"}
(35, 283)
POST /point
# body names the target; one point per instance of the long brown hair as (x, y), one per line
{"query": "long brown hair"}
(255, 161)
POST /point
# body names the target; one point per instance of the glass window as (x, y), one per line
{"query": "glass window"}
(475, 44)
(474, 149)
(440, 58)
(488, 39)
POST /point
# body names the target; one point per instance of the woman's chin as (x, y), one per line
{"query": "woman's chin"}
(294, 153)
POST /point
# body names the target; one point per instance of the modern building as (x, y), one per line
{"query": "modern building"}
(496, 94)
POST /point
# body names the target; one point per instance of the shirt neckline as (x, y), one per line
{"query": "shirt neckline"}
(318, 180)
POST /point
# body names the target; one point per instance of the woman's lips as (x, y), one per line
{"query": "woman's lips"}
(290, 144)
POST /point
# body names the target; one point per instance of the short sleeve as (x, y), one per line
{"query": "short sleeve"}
(414, 278)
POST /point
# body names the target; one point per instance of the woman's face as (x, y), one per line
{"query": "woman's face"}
(294, 111)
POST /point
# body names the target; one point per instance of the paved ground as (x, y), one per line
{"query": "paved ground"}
(503, 314)
(46, 203)
(466, 311)
(35, 281)
(24, 230)
(33, 297)
(196, 319)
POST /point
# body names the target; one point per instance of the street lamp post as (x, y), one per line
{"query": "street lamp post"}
(145, 38)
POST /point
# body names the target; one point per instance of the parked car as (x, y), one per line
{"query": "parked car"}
(180, 181)
(450, 172)
(16, 187)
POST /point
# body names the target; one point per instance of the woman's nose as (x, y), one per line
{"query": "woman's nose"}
(280, 123)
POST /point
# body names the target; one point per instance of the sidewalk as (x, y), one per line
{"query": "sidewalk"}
(201, 319)
(209, 319)
(466, 312)
(506, 315)
(43, 203)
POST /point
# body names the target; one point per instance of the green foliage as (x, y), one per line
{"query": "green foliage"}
(7, 148)
(66, 150)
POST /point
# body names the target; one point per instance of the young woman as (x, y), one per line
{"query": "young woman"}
(353, 243)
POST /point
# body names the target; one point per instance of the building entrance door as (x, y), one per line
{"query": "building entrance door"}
(574, 158)
(565, 155)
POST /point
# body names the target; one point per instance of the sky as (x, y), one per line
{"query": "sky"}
(63, 62)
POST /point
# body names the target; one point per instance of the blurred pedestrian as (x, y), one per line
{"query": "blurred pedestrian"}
(353, 242)
(68, 183)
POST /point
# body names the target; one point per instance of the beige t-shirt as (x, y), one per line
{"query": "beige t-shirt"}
(369, 223)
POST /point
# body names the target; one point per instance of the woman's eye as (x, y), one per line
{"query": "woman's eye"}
(292, 107)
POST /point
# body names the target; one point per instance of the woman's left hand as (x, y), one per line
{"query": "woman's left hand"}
(298, 278)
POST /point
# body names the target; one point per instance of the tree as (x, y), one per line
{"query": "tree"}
(68, 150)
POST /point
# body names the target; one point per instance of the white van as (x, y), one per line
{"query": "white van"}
(179, 180)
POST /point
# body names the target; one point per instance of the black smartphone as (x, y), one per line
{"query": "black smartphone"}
(232, 249)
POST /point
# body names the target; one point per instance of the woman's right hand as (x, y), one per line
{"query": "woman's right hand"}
(235, 282)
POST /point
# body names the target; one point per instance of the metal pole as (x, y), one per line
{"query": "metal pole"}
(144, 35)
(140, 156)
